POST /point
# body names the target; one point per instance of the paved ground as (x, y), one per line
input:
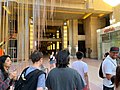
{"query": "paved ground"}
(93, 65)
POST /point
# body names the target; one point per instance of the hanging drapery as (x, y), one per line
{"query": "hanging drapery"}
(22, 15)
(18, 38)
(26, 30)
(39, 25)
(52, 8)
(44, 17)
(35, 21)
(21, 30)
(6, 29)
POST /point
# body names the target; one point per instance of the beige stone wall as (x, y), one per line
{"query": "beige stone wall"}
(94, 26)
(75, 34)
(116, 12)
(91, 25)
(100, 5)
(87, 32)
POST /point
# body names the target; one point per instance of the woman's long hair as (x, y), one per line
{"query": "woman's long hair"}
(117, 79)
(2, 61)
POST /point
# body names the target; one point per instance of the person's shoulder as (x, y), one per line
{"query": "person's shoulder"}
(74, 62)
(72, 70)
(53, 70)
(84, 62)
(106, 61)
(30, 68)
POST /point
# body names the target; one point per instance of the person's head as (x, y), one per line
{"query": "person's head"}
(117, 78)
(37, 56)
(79, 55)
(62, 58)
(114, 51)
(5, 63)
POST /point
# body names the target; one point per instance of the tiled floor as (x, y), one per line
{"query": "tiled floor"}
(93, 65)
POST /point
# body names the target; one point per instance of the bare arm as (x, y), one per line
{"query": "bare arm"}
(86, 79)
(40, 88)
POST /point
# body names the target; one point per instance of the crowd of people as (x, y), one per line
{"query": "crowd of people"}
(60, 76)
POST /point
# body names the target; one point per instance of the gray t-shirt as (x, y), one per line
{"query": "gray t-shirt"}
(64, 79)
(41, 78)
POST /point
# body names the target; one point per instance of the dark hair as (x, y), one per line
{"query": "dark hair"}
(36, 56)
(62, 59)
(79, 55)
(106, 54)
(117, 79)
(2, 61)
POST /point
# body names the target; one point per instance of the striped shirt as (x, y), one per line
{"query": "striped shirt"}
(4, 84)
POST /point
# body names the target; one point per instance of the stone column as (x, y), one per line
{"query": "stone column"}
(70, 33)
(91, 26)
(70, 28)
(99, 48)
(75, 35)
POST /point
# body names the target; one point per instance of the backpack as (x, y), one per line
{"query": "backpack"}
(28, 82)
(100, 71)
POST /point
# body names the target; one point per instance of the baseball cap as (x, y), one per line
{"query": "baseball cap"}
(114, 49)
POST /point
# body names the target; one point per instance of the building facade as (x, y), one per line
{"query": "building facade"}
(47, 25)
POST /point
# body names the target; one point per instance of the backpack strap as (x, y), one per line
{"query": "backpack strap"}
(36, 72)
(24, 71)
(113, 63)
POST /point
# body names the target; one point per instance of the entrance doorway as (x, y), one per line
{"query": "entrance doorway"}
(47, 47)
(81, 47)
(51, 41)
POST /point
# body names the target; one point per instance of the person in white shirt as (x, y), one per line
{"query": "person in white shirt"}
(82, 68)
(109, 68)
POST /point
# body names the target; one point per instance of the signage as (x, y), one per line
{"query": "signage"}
(112, 28)
(109, 29)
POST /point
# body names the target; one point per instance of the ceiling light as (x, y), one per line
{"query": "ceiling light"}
(112, 2)
(65, 23)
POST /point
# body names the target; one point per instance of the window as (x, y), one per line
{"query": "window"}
(81, 29)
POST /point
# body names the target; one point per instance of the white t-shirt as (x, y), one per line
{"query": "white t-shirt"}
(81, 67)
(108, 67)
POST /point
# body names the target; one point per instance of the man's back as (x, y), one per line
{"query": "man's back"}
(64, 79)
(29, 79)
(81, 67)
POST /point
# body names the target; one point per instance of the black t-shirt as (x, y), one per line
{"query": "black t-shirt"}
(64, 79)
